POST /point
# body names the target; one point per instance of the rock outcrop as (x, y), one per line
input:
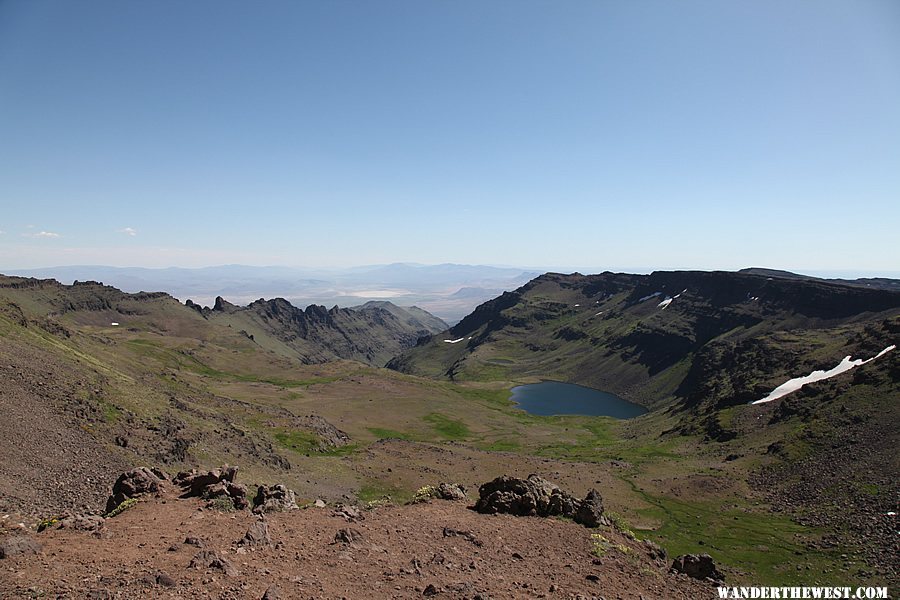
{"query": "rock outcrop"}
(538, 497)
(134, 483)
(213, 485)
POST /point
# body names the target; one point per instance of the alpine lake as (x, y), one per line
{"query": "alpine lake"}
(557, 398)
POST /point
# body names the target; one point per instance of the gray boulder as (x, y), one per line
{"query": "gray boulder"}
(274, 499)
(536, 496)
(257, 536)
(451, 491)
(523, 497)
(18, 544)
(210, 559)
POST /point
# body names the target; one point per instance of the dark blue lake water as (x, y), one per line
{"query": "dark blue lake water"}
(555, 398)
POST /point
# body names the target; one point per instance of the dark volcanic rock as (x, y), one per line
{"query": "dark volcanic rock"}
(655, 551)
(520, 497)
(131, 484)
(698, 566)
(275, 498)
(590, 512)
(538, 497)
(218, 483)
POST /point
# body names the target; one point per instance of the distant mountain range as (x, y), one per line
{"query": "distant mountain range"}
(882, 283)
(449, 291)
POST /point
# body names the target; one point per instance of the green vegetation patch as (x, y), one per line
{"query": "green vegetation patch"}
(503, 446)
(389, 434)
(374, 492)
(129, 503)
(767, 545)
(297, 440)
(446, 427)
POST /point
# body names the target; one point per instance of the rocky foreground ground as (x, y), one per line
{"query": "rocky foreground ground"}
(162, 544)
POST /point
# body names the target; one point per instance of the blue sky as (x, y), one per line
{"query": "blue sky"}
(592, 135)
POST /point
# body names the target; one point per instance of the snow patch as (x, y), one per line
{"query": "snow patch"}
(665, 303)
(653, 295)
(577, 305)
(455, 341)
(114, 324)
(599, 313)
(795, 384)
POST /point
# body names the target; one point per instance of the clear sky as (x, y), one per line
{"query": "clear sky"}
(592, 134)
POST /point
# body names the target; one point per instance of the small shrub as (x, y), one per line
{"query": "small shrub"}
(221, 504)
(600, 545)
(121, 508)
(620, 524)
(46, 523)
(378, 502)
(424, 494)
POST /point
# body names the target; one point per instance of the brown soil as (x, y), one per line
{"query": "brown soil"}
(51, 462)
(404, 552)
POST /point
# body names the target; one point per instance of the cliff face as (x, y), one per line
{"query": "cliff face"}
(372, 333)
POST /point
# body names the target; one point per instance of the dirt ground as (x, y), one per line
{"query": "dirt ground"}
(440, 548)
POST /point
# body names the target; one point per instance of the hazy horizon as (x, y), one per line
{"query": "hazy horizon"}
(584, 270)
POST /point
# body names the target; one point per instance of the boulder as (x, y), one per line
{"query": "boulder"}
(534, 496)
(698, 566)
(133, 483)
(351, 514)
(590, 511)
(18, 544)
(271, 593)
(234, 492)
(257, 536)
(274, 499)
(451, 491)
(562, 503)
(210, 559)
(82, 523)
(348, 536)
(655, 551)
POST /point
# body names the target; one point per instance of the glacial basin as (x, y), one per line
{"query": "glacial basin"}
(557, 398)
